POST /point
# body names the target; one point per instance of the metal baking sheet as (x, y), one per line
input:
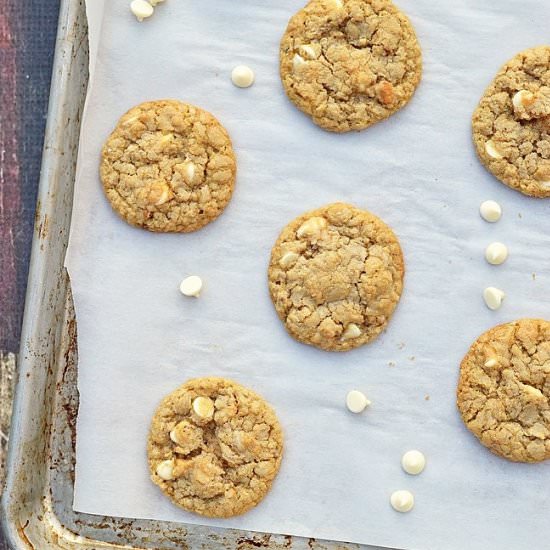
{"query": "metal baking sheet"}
(36, 507)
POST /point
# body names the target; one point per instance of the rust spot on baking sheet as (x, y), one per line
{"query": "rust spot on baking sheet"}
(43, 227)
(255, 542)
(23, 536)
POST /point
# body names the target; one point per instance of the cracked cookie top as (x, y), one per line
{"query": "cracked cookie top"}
(214, 447)
(336, 276)
(168, 167)
(504, 390)
(350, 63)
(511, 125)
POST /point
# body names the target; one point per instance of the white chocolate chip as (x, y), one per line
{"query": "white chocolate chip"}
(288, 259)
(490, 363)
(165, 470)
(141, 9)
(339, 3)
(492, 151)
(298, 61)
(522, 99)
(312, 227)
(357, 401)
(164, 197)
(189, 171)
(174, 437)
(203, 407)
(493, 297)
(402, 501)
(352, 331)
(191, 286)
(306, 50)
(532, 391)
(413, 462)
(242, 76)
(496, 253)
(490, 211)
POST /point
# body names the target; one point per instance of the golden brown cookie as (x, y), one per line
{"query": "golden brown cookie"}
(336, 276)
(350, 63)
(214, 447)
(168, 166)
(504, 390)
(511, 125)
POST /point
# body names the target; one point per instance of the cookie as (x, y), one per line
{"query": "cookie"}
(214, 447)
(168, 167)
(350, 63)
(511, 125)
(504, 390)
(336, 276)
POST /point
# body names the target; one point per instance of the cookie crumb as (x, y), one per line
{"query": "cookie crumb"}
(412, 358)
(391, 364)
(426, 397)
(534, 276)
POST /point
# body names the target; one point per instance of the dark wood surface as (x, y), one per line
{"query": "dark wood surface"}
(27, 42)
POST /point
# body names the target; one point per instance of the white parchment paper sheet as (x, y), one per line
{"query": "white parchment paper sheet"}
(139, 338)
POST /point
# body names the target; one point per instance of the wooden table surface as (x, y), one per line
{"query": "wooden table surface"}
(27, 41)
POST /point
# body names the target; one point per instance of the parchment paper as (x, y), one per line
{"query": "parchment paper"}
(139, 338)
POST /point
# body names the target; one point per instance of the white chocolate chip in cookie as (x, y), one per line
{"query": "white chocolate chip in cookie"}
(352, 331)
(357, 401)
(523, 98)
(307, 50)
(242, 76)
(203, 407)
(493, 297)
(339, 4)
(141, 9)
(490, 363)
(298, 61)
(496, 253)
(288, 259)
(413, 462)
(492, 151)
(191, 286)
(189, 171)
(159, 194)
(312, 227)
(165, 470)
(490, 211)
(402, 501)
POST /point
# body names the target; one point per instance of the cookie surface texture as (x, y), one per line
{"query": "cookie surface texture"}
(214, 447)
(336, 276)
(168, 166)
(511, 125)
(350, 63)
(504, 390)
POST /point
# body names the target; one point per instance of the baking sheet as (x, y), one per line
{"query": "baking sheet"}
(139, 338)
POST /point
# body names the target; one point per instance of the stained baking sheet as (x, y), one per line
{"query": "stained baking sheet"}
(139, 338)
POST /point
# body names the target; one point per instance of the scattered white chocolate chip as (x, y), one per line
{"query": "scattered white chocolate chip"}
(312, 227)
(307, 51)
(141, 9)
(288, 259)
(298, 61)
(203, 407)
(242, 76)
(493, 297)
(496, 253)
(357, 401)
(522, 98)
(490, 211)
(191, 286)
(165, 470)
(413, 462)
(402, 501)
(491, 363)
(352, 331)
(492, 151)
